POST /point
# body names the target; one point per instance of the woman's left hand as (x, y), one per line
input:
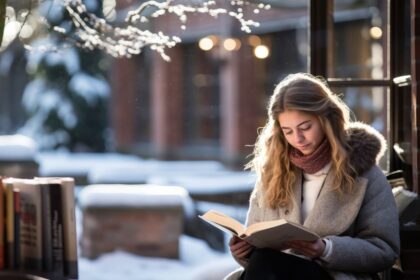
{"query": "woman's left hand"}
(311, 249)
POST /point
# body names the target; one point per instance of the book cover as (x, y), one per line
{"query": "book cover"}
(269, 234)
(69, 224)
(16, 225)
(56, 229)
(46, 228)
(30, 224)
(2, 225)
(53, 235)
(69, 228)
(9, 224)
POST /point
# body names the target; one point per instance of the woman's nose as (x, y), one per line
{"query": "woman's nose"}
(299, 137)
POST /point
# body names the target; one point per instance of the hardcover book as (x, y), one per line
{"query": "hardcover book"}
(269, 234)
(30, 224)
(69, 223)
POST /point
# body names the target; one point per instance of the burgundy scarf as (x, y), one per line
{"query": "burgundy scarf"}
(314, 162)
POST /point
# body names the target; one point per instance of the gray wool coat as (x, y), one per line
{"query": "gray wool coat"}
(362, 225)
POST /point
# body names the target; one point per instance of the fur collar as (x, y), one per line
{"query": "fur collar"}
(366, 146)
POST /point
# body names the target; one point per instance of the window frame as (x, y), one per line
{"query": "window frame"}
(320, 61)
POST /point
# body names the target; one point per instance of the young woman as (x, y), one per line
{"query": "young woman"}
(318, 169)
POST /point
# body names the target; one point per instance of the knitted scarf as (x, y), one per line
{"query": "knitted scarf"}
(315, 161)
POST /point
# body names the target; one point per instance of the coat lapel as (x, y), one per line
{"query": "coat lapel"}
(333, 214)
(295, 210)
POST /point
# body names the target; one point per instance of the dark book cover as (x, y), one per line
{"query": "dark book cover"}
(2, 225)
(9, 224)
(56, 217)
(16, 225)
(46, 228)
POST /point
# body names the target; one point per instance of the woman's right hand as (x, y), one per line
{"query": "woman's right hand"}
(239, 248)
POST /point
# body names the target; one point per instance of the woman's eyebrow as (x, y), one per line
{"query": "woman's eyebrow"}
(302, 123)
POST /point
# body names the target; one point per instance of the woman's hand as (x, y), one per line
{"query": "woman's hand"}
(239, 248)
(311, 249)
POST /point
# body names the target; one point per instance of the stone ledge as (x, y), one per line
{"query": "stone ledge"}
(141, 219)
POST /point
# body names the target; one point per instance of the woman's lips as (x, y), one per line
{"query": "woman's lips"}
(303, 147)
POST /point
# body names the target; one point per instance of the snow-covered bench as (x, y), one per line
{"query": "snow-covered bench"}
(142, 219)
(230, 187)
(17, 156)
(140, 172)
(78, 165)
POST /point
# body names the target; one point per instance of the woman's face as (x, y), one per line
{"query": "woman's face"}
(302, 130)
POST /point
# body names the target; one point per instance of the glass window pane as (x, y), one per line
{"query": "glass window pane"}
(202, 117)
(369, 105)
(359, 40)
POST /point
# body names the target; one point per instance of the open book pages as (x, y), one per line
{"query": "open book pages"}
(269, 234)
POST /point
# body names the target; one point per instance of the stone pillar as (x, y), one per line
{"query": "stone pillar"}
(241, 88)
(415, 90)
(167, 103)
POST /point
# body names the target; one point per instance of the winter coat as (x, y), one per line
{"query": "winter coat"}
(362, 224)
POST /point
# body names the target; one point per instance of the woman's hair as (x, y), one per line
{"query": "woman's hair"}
(271, 161)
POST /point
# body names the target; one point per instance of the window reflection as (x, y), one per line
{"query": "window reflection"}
(359, 47)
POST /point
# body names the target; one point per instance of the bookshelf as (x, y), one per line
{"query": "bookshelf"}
(38, 228)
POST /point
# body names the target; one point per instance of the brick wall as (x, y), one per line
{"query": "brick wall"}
(143, 231)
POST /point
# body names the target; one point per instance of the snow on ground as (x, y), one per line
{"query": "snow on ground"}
(197, 262)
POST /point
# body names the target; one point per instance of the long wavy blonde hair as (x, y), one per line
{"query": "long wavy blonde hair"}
(275, 172)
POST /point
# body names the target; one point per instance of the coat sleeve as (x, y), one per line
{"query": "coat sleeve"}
(373, 243)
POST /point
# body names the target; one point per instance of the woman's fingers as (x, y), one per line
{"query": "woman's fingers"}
(239, 248)
(244, 253)
(312, 249)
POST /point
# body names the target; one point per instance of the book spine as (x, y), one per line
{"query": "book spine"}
(56, 230)
(9, 226)
(30, 228)
(69, 226)
(16, 225)
(2, 225)
(46, 228)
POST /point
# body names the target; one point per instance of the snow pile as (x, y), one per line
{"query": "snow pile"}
(144, 170)
(117, 195)
(79, 164)
(17, 147)
(197, 262)
(211, 183)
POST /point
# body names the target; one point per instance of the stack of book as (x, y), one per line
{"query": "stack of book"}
(38, 227)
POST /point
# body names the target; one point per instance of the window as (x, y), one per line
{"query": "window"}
(201, 116)
(356, 45)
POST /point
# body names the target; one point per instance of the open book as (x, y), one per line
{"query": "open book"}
(270, 234)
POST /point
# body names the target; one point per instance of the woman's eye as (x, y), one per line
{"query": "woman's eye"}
(305, 128)
(288, 132)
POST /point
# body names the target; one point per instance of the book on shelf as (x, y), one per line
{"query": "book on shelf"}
(53, 227)
(30, 224)
(9, 224)
(69, 223)
(16, 225)
(38, 226)
(269, 234)
(2, 226)
(69, 227)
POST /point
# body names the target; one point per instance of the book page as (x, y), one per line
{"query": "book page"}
(223, 222)
(274, 236)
